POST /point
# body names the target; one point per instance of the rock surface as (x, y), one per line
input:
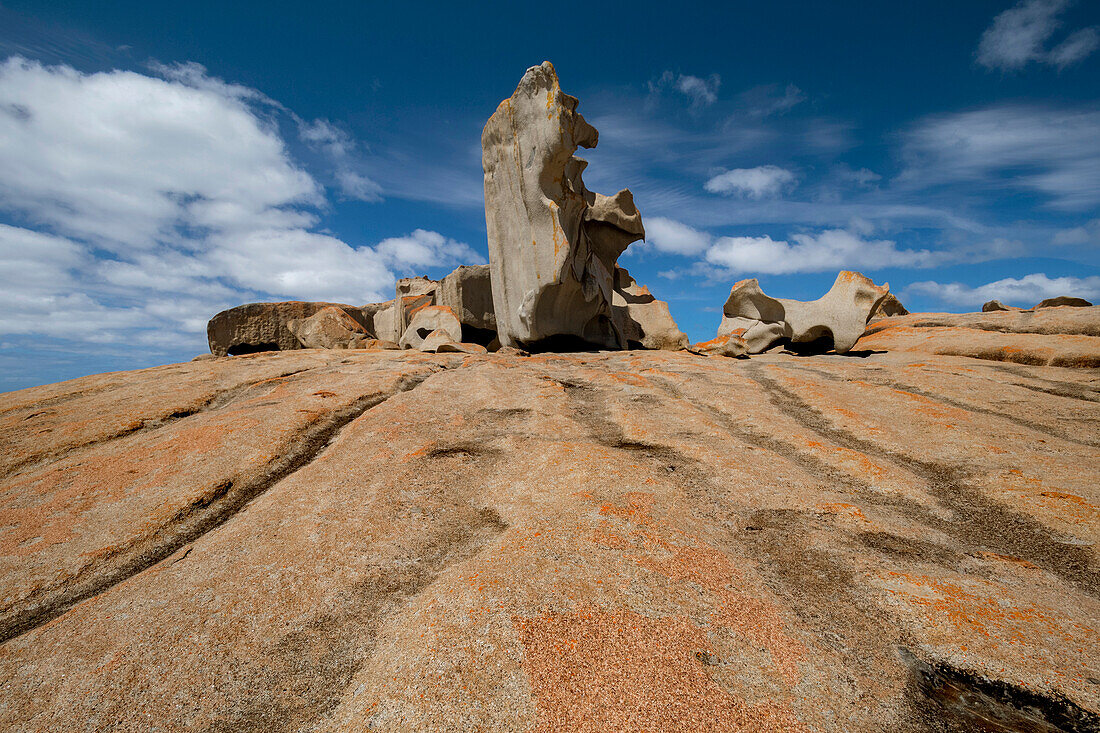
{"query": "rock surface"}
(644, 540)
(836, 319)
(644, 320)
(1068, 337)
(257, 327)
(552, 243)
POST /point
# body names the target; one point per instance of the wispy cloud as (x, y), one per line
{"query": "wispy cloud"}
(1051, 151)
(1024, 292)
(340, 149)
(702, 92)
(767, 100)
(1020, 35)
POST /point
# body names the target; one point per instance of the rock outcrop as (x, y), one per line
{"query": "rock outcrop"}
(644, 321)
(1067, 337)
(996, 305)
(1063, 300)
(552, 243)
(257, 327)
(834, 321)
(640, 540)
(428, 319)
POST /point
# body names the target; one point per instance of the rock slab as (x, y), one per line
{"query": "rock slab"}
(639, 540)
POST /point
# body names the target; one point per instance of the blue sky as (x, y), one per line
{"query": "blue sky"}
(160, 162)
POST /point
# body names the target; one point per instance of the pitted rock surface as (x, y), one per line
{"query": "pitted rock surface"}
(353, 541)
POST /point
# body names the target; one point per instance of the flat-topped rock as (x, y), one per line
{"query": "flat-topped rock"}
(255, 327)
(639, 540)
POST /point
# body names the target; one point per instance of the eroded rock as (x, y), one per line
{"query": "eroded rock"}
(552, 242)
(889, 306)
(993, 306)
(644, 320)
(728, 345)
(836, 320)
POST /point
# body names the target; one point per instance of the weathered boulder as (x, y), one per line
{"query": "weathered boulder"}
(255, 327)
(836, 320)
(644, 320)
(378, 319)
(468, 292)
(1064, 300)
(427, 319)
(328, 328)
(552, 243)
(993, 306)
(889, 306)
(434, 340)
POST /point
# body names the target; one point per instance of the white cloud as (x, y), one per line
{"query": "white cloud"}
(1055, 152)
(766, 181)
(1087, 234)
(1025, 291)
(1019, 35)
(667, 235)
(148, 204)
(834, 249)
(702, 92)
(424, 249)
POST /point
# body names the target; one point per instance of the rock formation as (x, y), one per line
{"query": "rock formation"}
(256, 327)
(644, 321)
(638, 540)
(836, 320)
(468, 291)
(428, 319)
(552, 243)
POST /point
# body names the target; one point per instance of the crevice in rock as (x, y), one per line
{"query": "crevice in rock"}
(978, 522)
(216, 401)
(217, 506)
(965, 701)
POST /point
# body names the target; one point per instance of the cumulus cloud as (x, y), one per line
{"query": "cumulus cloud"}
(1024, 292)
(425, 249)
(145, 204)
(1020, 35)
(667, 235)
(702, 92)
(766, 181)
(834, 249)
(1051, 151)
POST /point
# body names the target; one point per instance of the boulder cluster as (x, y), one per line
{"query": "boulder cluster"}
(553, 282)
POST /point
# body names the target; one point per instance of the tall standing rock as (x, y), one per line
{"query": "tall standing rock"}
(552, 242)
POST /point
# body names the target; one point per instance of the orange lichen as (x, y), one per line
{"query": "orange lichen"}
(598, 670)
